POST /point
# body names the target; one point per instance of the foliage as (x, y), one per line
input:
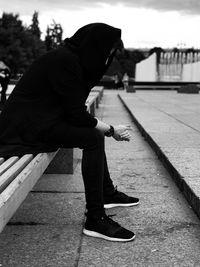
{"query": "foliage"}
(125, 63)
(158, 51)
(19, 45)
(54, 36)
(34, 27)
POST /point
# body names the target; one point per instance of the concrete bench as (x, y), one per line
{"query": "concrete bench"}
(94, 99)
(189, 89)
(161, 85)
(18, 175)
(92, 102)
(98, 89)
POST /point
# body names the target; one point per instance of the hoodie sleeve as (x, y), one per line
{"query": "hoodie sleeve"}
(68, 85)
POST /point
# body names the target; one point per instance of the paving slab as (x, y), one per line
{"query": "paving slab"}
(181, 107)
(60, 182)
(147, 173)
(163, 238)
(40, 245)
(51, 208)
(153, 248)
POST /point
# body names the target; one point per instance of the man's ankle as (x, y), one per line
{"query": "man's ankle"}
(95, 215)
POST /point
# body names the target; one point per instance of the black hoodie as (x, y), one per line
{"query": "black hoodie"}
(54, 90)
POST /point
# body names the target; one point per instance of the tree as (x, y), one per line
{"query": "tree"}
(38, 46)
(34, 27)
(158, 51)
(125, 63)
(11, 31)
(130, 59)
(19, 45)
(54, 36)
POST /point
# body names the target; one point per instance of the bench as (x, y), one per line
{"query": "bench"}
(18, 175)
(99, 89)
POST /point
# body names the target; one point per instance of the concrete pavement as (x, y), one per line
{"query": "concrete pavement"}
(170, 123)
(47, 229)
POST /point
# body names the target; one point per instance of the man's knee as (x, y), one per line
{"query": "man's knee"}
(100, 136)
(95, 139)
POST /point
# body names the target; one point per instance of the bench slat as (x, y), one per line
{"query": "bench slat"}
(1, 160)
(95, 94)
(91, 99)
(98, 89)
(7, 164)
(11, 173)
(15, 193)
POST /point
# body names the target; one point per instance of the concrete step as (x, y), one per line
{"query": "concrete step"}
(170, 123)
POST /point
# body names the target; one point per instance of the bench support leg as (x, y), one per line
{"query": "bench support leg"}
(65, 161)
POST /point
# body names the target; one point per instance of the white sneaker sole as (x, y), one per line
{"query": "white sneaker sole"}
(98, 235)
(109, 206)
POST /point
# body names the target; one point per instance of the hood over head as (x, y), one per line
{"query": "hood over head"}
(93, 44)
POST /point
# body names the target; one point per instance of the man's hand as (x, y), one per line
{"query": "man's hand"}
(122, 133)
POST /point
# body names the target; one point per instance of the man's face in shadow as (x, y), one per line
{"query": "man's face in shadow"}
(119, 47)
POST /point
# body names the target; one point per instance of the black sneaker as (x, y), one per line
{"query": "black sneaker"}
(119, 199)
(106, 228)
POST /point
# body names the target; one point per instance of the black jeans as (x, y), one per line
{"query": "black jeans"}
(94, 167)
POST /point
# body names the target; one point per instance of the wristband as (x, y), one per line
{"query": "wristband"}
(110, 132)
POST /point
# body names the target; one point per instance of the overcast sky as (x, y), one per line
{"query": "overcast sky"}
(144, 23)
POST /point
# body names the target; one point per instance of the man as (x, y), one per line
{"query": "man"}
(4, 81)
(46, 110)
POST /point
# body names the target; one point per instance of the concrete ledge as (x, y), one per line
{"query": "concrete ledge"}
(189, 89)
(65, 161)
(98, 89)
(187, 184)
(130, 89)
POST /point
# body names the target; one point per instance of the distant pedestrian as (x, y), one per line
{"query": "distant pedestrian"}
(4, 81)
(47, 111)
